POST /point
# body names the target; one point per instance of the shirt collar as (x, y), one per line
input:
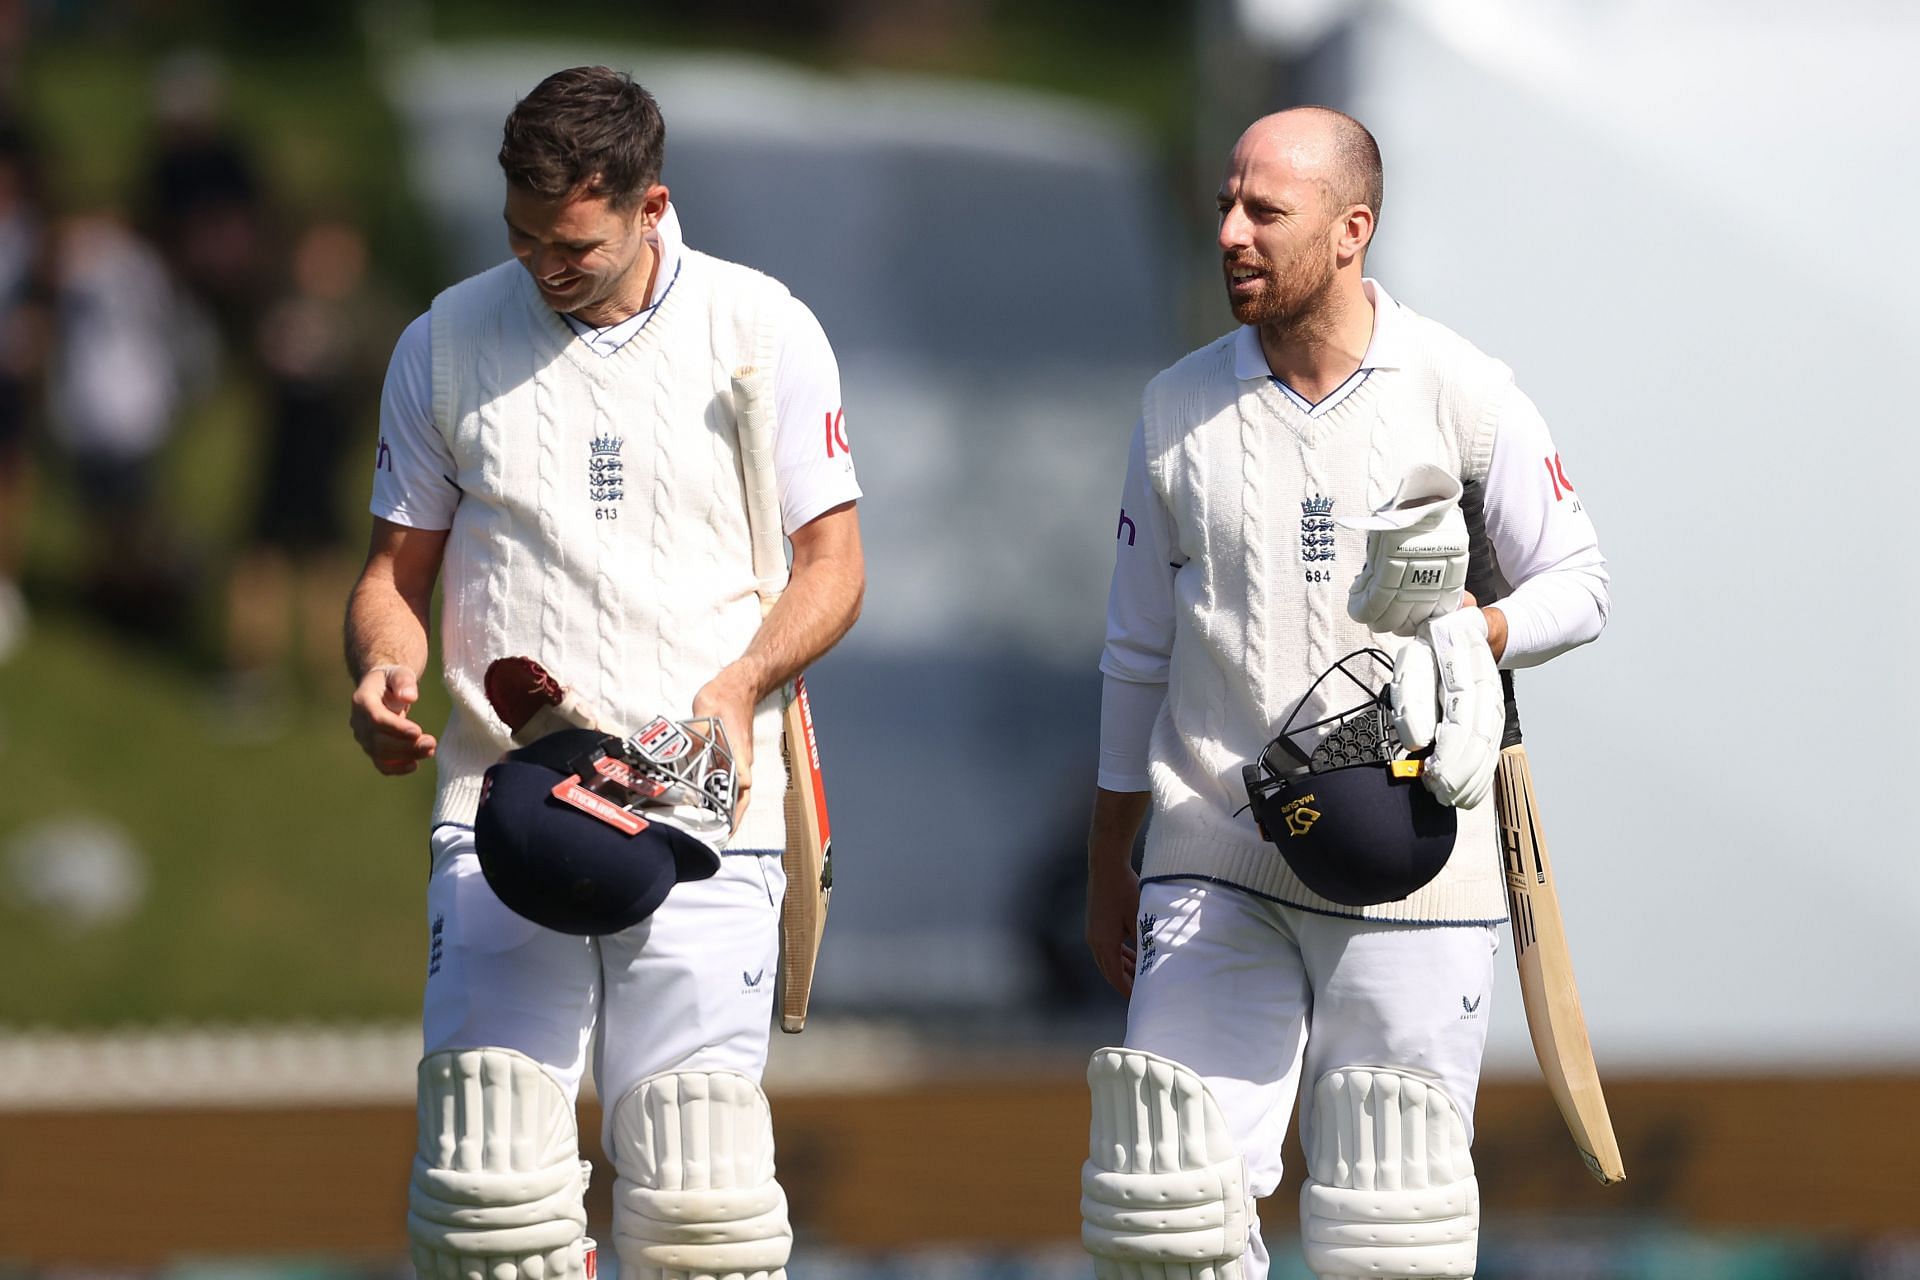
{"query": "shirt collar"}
(1384, 348)
(669, 248)
(668, 244)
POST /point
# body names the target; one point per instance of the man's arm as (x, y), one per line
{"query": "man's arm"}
(1135, 663)
(386, 639)
(827, 583)
(1544, 542)
(1113, 887)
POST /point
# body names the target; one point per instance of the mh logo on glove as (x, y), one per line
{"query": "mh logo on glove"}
(1417, 549)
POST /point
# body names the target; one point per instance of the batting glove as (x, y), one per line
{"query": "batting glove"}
(1446, 693)
(1416, 563)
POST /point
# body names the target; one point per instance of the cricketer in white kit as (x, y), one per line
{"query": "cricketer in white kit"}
(558, 435)
(1235, 585)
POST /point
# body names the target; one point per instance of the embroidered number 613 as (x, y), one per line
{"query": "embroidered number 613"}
(606, 513)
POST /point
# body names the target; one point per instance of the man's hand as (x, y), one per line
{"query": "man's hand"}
(729, 698)
(394, 743)
(1113, 886)
(1113, 906)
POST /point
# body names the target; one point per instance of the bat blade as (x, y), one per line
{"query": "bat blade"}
(1554, 1016)
(808, 860)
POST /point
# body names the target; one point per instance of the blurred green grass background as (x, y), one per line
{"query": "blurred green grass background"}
(284, 877)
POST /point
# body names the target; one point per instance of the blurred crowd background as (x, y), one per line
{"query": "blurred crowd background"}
(1680, 223)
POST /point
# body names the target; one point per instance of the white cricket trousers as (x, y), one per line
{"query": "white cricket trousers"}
(1248, 993)
(689, 987)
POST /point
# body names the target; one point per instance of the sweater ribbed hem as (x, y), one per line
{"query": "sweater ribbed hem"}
(457, 802)
(1466, 892)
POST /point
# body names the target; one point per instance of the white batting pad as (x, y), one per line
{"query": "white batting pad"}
(497, 1180)
(695, 1198)
(1390, 1189)
(1416, 565)
(1163, 1194)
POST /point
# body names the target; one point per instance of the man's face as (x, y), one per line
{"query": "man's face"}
(1276, 235)
(583, 254)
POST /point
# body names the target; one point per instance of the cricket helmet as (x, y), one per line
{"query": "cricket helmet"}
(1341, 799)
(585, 833)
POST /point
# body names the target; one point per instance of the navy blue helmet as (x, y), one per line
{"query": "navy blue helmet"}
(1343, 803)
(573, 831)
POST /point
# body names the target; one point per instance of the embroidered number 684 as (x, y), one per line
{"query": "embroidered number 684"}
(1319, 575)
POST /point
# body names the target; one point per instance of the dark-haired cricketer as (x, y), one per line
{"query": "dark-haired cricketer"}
(558, 441)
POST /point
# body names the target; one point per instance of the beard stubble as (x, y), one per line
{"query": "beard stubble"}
(1295, 301)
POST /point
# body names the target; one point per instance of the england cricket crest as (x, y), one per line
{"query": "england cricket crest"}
(1316, 529)
(605, 479)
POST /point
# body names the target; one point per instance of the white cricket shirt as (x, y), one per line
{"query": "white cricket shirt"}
(412, 476)
(1543, 540)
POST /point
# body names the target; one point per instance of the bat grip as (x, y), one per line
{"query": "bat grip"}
(1512, 736)
(1484, 582)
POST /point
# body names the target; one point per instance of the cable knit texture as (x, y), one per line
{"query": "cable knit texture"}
(1251, 484)
(602, 526)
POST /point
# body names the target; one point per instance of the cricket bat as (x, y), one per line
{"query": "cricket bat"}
(809, 853)
(1554, 1017)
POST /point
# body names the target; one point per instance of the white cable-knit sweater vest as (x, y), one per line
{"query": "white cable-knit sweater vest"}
(1252, 484)
(602, 525)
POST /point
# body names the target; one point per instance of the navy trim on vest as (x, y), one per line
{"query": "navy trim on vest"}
(1318, 911)
(1313, 406)
(649, 312)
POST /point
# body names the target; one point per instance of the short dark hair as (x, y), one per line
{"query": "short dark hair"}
(586, 129)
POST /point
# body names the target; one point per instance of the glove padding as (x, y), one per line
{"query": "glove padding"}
(1416, 554)
(1446, 692)
(531, 703)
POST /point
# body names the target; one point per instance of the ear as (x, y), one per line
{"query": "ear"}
(1353, 232)
(653, 206)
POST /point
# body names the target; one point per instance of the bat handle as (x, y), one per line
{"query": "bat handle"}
(1512, 736)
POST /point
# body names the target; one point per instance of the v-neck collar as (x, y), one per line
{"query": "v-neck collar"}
(605, 369)
(1385, 350)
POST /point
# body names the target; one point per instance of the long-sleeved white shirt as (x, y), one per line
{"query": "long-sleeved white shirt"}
(1543, 541)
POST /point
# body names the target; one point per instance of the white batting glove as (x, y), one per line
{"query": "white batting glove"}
(1416, 563)
(1446, 691)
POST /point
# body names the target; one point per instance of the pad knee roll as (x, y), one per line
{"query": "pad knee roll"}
(696, 1197)
(498, 1183)
(1390, 1188)
(1163, 1193)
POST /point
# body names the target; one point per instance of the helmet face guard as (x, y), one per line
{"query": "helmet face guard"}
(1346, 807)
(685, 766)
